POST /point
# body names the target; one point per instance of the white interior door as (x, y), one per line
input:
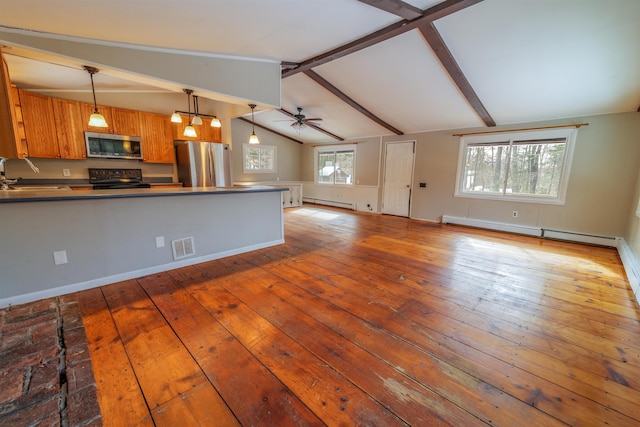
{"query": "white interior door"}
(398, 172)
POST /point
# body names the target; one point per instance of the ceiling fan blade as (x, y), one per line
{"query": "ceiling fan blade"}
(312, 118)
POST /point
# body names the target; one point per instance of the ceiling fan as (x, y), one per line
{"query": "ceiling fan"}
(300, 120)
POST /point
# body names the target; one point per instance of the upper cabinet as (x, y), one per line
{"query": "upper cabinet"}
(156, 137)
(125, 122)
(39, 125)
(11, 139)
(69, 129)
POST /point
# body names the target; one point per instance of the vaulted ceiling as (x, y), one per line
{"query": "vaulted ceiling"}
(368, 67)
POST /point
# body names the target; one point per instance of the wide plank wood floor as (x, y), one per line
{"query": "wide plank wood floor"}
(363, 319)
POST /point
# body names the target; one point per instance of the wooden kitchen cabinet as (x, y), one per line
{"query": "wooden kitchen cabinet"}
(157, 138)
(39, 125)
(207, 133)
(125, 122)
(12, 138)
(69, 130)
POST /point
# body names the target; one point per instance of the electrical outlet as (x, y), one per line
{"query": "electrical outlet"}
(515, 214)
(66, 172)
(60, 257)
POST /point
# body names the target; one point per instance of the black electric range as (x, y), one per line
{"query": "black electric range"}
(108, 179)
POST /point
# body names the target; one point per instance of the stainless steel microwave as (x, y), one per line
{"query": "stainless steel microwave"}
(107, 145)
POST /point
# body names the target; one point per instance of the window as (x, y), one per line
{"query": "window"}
(335, 164)
(259, 158)
(525, 166)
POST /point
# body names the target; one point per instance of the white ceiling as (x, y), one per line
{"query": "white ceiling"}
(527, 60)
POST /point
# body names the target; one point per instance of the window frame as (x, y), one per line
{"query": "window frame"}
(260, 147)
(334, 149)
(568, 134)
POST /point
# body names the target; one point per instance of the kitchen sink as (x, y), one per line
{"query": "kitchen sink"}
(38, 187)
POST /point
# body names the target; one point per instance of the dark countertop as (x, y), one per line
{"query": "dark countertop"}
(14, 196)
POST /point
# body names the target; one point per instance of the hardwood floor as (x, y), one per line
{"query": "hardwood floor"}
(364, 319)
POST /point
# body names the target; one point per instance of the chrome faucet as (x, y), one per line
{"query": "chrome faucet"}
(4, 182)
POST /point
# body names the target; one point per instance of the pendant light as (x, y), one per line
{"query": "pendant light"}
(253, 139)
(96, 119)
(215, 122)
(189, 130)
(196, 118)
(176, 118)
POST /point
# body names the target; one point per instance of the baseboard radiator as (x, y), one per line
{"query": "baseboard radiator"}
(330, 203)
(589, 239)
(493, 225)
(569, 236)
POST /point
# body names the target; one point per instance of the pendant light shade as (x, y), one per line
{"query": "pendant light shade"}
(190, 131)
(215, 122)
(176, 118)
(196, 120)
(96, 119)
(253, 139)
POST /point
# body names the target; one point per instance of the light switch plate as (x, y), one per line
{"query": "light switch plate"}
(160, 242)
(66, 172)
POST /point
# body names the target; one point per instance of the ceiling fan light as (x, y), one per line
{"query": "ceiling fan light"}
(196, 120)
(190, 131)
(253, 139)
(215, 122)
(175, 118)
(97, 120)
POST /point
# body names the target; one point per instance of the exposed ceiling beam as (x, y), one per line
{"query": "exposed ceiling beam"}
(441, 50)
(311, 125)
(436, 12)
(397, 7)
(345, 98)
(270, 130)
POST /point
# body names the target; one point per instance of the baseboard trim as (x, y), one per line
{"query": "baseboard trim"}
(76, 287)
(631, 266)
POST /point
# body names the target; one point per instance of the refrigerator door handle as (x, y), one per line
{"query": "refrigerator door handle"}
(210, 160)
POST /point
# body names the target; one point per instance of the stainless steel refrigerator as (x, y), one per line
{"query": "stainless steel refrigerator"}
(203, 164)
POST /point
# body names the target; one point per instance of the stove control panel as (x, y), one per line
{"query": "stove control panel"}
(97, 175)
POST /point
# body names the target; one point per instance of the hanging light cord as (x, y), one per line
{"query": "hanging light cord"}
(253, 130)
(93, 90)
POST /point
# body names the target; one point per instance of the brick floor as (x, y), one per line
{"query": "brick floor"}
(46, 377)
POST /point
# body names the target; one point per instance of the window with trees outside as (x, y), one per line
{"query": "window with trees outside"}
(259, 158)
(335, 164)
(525, 166)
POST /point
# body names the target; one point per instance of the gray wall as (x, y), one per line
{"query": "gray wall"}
(288, 155)
(108, 240)
(601, 183)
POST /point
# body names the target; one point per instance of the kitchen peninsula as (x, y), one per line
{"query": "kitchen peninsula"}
(63, 241)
